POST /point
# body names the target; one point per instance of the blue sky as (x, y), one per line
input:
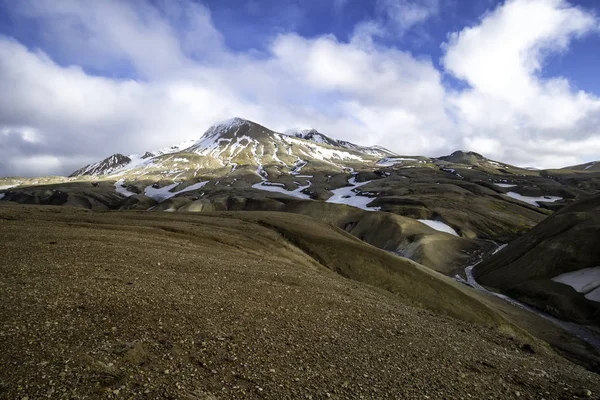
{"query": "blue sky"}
(86, 80)
(251, 24)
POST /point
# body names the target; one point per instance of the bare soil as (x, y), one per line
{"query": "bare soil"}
(223, 306)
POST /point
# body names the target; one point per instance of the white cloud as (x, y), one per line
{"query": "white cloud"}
(502, 59)
(73, 113)
(55, 113)
(407, 13)
(394, 18)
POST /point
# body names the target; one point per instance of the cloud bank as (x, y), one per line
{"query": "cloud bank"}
(160, 72)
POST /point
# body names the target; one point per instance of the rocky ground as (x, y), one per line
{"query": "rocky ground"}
(220, 306)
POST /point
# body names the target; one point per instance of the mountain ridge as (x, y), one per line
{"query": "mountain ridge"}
(223, 132)
(227, 131)
(239, 164)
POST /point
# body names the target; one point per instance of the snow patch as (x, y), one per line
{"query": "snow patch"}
(504, 185)
(259, 167)
(533, 200)
(277, 187)
(349, 195)
(275, 158)
(195, 186)
(438, 226)
(4, 187)
(585, 281)
(121, 189)
(160, 194)
(298, 165)
(164, 193)
(390, 161)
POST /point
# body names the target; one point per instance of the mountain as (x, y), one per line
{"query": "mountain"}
(240, 164)
(555, 266)
(317, 137)
(108, 165)
(118, 162)
(461, 157)
(312, 135)
(241, 142)
(593, 166)
(472, 159)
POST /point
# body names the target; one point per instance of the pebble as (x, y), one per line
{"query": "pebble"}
(584, 393)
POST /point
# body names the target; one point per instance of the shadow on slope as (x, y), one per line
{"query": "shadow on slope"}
(566, 241)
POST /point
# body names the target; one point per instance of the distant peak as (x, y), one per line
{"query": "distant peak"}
(312, 135)
(231, 122)
(465, 157)
(459, 153)
(225, 126)
(300, 131)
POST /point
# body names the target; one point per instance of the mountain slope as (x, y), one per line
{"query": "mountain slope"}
(593, 166)
(118, 162)
(232, 305)
(107, 166)
(538, 267)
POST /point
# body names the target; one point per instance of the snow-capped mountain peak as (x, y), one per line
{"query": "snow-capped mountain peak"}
(315, 136)
(312, 135)
(224, 127)
(238, 141)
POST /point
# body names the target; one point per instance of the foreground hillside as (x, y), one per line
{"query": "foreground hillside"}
(246, 305)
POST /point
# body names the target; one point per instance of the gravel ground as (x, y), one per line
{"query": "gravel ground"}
(141, 305)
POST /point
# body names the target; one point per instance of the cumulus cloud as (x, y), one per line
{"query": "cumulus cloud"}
(509, 102)
(62, 111)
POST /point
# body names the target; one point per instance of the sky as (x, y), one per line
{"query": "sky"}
(514, 80)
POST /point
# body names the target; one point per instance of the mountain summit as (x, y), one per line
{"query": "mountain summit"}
(238, 141)
(315, 136)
